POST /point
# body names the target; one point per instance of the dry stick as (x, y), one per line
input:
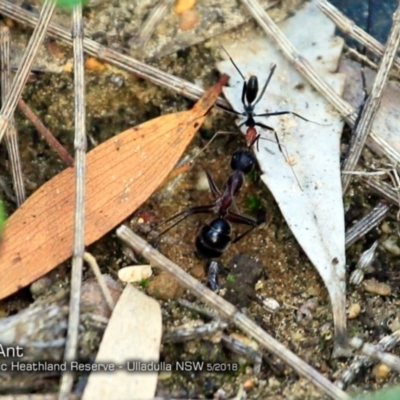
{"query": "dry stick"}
(48, 136)
(383, 189)
(100, 279)
(360, 133)
(155, 17)
(147, 72)
(376, 353)
(361, 58)
(308, 72)
(11, 132)
(351, 29)
(227, 310)
(362, 362)
(8, 107)
(367, 223)
(80, 145)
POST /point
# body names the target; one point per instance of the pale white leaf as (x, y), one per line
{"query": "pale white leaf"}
(306, 181)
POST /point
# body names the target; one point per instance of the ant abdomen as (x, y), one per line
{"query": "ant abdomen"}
(251, 89)
(213, 239)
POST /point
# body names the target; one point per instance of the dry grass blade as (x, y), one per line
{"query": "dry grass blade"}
(230, 312)
(367, 223)
(121, 174)
(362, 362)
(11, 132)
(348, 27)
(49, 137)
(122, 61)
(383, 189)
(375, 353)
(8, 107)
(80, 145)
(100, 279)
(371, 107)
(309, 73)
(155, 17)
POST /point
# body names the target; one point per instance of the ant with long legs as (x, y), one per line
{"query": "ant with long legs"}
(250, 98)
(215, 236)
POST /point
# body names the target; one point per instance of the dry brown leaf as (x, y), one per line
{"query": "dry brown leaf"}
(121, 174)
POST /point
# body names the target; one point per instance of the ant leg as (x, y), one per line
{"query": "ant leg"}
(265, 85)
(281, 147)
(273, 114)
(274, 131)
(211, 140)
(216, 193)
(243, 219)
(208, 209)
(233, 62)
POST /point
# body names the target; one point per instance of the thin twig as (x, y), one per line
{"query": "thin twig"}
(124, 62)
(8, 107)
(228, 311)
(11, 132)
(100, 279)
(351, 29)
(155, 17)
(376, 353)
(360, 57)
(362, 362)
(80, 145)
(48, 136)
(367, 223)
(372, 104)
(308, 72)
(383, 189)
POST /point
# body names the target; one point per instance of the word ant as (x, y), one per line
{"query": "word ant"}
(215, 236)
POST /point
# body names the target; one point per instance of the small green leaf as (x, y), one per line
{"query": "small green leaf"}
(69, 4)
(253, 203)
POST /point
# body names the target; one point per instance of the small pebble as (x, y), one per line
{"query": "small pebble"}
(188, 20)
(394, 324)
(271, 304)
(135, 273)
(391, 246)
(183, 5)
(375, 287)
(249, 384)
(385, 228)
(202, 182)
(164, 287)
(354, 311)
(94, 64)
(381, 371)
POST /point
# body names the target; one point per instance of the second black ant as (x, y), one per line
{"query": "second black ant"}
(215, 236)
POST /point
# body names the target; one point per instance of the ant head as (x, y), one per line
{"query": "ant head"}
(251, 89)
(243, 160)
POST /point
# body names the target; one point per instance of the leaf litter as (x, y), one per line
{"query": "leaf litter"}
(299, 278)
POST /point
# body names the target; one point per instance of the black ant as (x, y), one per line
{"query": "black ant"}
(215, 236)
(250, 99)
